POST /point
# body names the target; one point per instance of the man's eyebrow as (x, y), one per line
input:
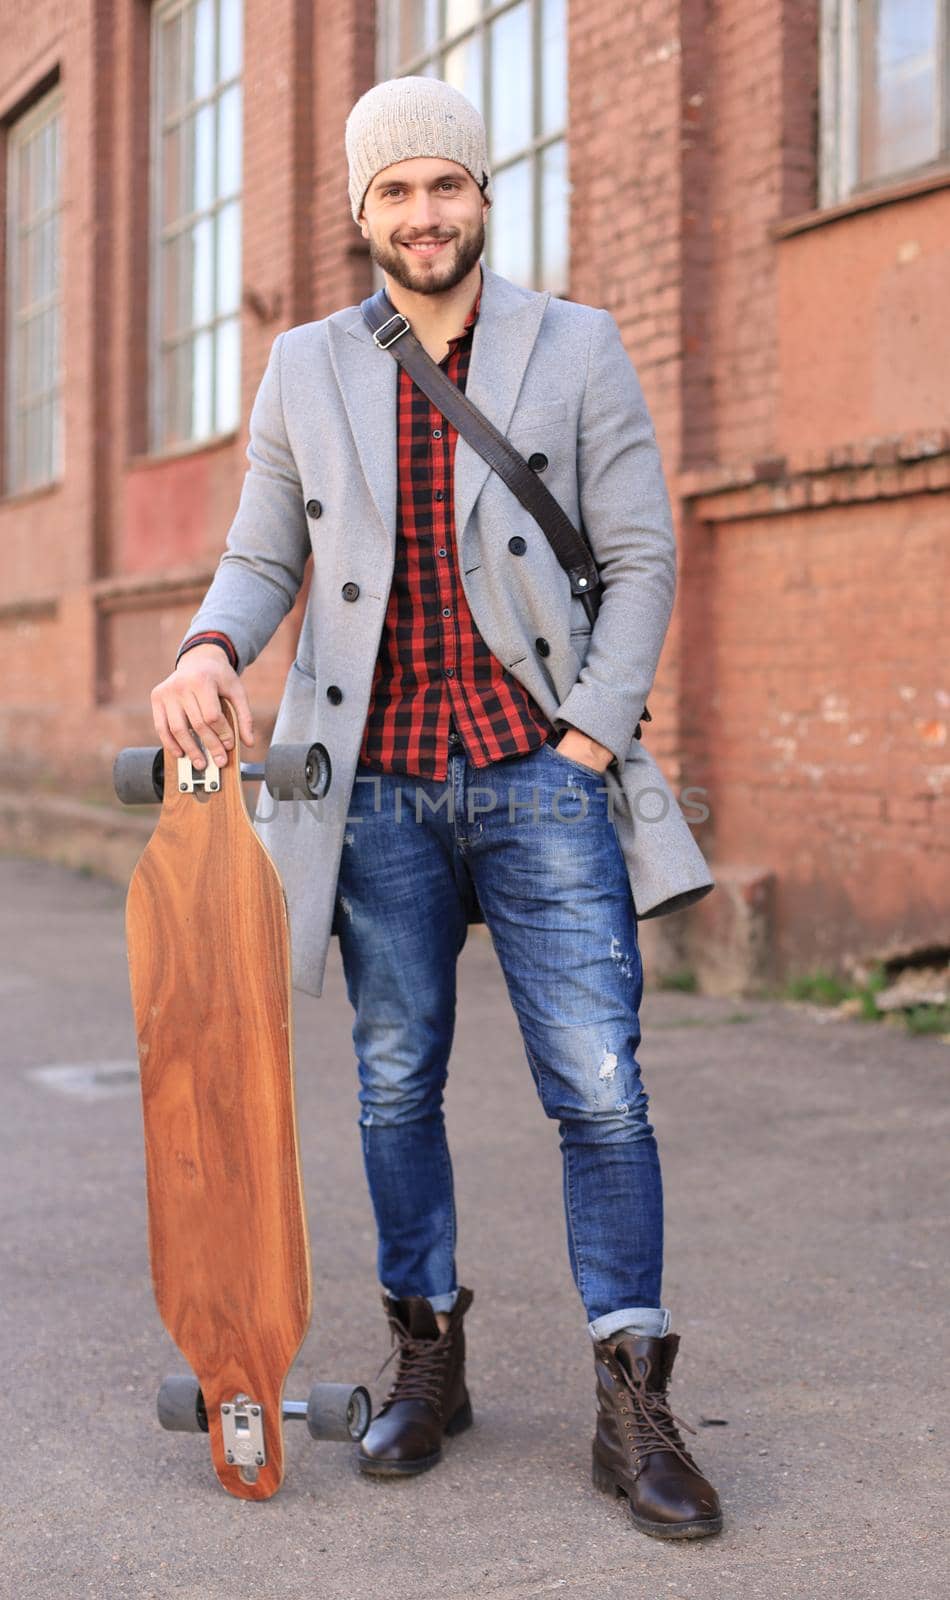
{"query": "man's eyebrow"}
(402, 183)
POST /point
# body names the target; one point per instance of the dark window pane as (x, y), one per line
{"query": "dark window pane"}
(171, 74)
(172, 317)
(172, 196)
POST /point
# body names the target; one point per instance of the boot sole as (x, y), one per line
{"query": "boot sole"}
(699, 1528)
(372, 1467)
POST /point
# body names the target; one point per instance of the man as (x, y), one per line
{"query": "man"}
(484, 758)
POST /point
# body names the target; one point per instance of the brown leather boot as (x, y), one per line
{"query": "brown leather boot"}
(428, 1397)
(638, 1451)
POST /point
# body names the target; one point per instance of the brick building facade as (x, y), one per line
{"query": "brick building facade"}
(781, 290)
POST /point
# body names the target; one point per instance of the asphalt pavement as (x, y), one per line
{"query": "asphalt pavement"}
(805, 1175)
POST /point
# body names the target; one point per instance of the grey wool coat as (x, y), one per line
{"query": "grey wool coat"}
(554, 377)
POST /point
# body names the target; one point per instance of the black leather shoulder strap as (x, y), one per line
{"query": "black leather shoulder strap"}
(391, 331)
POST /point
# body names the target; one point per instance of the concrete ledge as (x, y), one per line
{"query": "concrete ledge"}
(663, 945)
(730, 934)
(74, 833)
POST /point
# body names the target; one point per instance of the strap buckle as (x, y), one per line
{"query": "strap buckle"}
(584, 580)
(383, 344)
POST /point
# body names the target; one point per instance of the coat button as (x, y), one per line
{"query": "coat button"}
(542, 647)
(351, 591)
(314, 508)
(537, 462)
(334, 695)
(517, 545)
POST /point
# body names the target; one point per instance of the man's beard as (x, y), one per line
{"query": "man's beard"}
(463, 255)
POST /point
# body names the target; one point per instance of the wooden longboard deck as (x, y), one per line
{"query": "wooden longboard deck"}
(209, 964)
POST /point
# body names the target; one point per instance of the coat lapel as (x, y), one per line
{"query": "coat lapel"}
(367, 378)
(508, 322)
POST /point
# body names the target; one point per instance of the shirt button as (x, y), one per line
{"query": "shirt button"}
(450, 672)
(442, 550)
(437, 433)
(440, 494)
(446, 611)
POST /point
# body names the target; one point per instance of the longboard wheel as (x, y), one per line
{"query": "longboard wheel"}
(138, 775)
(181, 1406)
(295, 770)
(338, 1411)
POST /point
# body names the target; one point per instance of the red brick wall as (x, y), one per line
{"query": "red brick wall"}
(828, 760)
(626, 79)
(46, 536)
(799, 684)
(340, 268)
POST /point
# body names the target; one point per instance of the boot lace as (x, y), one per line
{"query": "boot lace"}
(420, 1374)
(650, 1424)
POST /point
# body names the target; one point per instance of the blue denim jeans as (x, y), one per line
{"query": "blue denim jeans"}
(534, 837)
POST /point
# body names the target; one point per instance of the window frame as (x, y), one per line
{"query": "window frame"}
(839, 107)
(159, 443)
(49, 106)
(388, 65)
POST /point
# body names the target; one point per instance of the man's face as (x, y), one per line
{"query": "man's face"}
(425, 222)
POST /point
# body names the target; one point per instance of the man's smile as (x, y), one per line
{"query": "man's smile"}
(425, 247)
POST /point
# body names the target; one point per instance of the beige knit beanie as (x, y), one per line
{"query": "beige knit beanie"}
(406, 117)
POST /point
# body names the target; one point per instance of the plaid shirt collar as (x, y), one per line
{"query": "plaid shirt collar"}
(470, 320)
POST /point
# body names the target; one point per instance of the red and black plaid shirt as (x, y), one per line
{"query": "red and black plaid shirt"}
(433, 664)
(433, 667)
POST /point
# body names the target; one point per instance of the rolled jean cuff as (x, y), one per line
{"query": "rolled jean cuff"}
(443, 1302)
(651, 1320)
(438, 1302)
